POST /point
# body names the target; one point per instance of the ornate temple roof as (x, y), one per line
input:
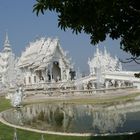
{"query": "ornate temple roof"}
(104, 61)
(39, 53)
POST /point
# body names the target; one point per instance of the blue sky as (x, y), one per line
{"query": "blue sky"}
(23, 26)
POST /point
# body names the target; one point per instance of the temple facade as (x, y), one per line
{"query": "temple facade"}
(44, 61)
(44, 64)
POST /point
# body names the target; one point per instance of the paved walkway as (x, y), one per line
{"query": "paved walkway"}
(108, 95)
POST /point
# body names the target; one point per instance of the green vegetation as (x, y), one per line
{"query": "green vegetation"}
(4, 104)
(99, 18)
(6, 132)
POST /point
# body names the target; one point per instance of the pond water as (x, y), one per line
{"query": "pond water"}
(73, 118)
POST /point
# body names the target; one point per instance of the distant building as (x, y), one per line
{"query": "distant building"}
(103, 62)
(7, 65)
(44, 61)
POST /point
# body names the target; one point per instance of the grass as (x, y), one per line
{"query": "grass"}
(6, 132)
(4, 104)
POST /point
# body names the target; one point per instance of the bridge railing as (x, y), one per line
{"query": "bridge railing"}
(71, 91)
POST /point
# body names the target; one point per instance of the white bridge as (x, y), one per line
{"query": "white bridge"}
(118, 76)
(122, 75)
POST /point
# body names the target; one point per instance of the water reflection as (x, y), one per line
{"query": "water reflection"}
(71, 118)
(108, 121)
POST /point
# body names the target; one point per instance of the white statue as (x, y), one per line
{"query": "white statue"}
(16, 98)
(104, 61)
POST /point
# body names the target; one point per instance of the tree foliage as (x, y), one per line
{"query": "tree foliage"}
(99, 19)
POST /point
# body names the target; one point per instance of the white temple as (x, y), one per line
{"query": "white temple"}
(44, 64)
(44, 61)
(104, 62)
(7, 65)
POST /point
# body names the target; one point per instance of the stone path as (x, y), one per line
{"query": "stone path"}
(109, 95)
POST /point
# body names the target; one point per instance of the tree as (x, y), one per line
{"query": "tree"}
(99, 19)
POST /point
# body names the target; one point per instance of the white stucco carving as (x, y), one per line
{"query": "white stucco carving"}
(16, 98)
(44, 60)
(104, 62)
(8, 68)
(45, 64)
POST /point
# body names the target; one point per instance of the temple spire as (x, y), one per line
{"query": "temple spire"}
(97, 51)
(105, 51)
(7, 43)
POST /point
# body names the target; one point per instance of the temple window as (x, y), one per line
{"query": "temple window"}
(29, 79)
(55, 63)
(72, 74)
(34, 79)
(25, 81)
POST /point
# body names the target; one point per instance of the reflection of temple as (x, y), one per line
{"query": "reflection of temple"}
(43, 116)
(69, 118)
(44, 61)
(108, 121)
(102, 119)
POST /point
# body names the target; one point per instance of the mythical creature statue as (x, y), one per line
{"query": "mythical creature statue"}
(16, 98)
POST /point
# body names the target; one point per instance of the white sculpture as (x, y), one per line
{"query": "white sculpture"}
(104, 61)
(42, 137)
(16, 98)
(15, 135)
(8, 66)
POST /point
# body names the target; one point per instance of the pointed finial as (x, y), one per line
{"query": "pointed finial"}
(7, 40)
(97, 50)
(105, 51)
(7, 43)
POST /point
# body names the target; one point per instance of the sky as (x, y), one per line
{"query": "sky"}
(23, 26)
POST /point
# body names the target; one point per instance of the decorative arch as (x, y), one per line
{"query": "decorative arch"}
(56, 71)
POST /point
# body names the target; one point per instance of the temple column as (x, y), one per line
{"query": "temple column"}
(60, 78)
(51, 77)
(61, 69)
(63, 73)
(106, 84)
(68, 74)
(119, 84)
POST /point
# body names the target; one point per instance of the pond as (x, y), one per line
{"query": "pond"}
(72, 118)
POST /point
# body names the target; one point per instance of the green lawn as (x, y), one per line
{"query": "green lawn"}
(6, 132)
(4, 104)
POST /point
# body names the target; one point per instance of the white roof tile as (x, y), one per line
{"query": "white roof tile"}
(40, 52)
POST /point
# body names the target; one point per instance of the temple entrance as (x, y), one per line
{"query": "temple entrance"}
(56, 72)
(39, 75)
